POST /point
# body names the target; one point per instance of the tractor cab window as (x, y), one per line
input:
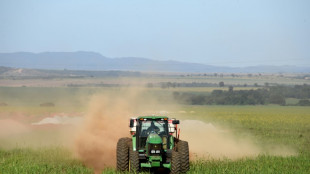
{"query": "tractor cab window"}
(147, 127)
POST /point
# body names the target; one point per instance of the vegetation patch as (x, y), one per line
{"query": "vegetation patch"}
(270, 95)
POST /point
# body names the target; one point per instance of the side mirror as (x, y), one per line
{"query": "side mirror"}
(131, 124)
(175, 121)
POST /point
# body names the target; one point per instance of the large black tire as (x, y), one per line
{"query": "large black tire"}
(134, 165)
(184, 155)
(122, 155)
(175, 163)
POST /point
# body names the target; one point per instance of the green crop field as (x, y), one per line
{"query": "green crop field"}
(268, 124)
(265, 124)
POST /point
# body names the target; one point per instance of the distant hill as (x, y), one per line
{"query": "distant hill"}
(92, 61)
(24, 73)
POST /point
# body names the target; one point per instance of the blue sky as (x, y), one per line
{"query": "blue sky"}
(215, 32)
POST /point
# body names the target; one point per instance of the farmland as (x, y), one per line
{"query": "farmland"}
(266, 126)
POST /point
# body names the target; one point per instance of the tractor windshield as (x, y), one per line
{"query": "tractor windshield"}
(153, 126)
(147, 127)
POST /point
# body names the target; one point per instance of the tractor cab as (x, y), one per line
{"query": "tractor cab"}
(151, 131)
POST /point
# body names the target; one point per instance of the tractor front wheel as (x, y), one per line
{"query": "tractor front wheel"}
(175, 163)
(184, 155)
(133, 160)
(122, 155)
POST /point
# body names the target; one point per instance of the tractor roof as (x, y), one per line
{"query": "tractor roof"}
(152, 117)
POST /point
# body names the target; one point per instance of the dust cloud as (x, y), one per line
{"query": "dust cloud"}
(9, 127)
(107, 120)
(18, 134)
(212, 142)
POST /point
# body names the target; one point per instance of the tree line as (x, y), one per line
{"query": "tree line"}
(270, 95)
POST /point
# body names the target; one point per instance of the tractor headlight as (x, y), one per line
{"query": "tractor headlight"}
(155, 148)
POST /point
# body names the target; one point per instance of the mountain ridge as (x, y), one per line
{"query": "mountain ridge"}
(93, 61)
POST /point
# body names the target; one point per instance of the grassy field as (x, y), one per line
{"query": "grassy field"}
(46, 160)
(268, 124)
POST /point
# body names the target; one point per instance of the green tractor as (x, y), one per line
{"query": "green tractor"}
(154, 144)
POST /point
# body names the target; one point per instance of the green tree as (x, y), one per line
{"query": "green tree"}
(277, 99)
(304, 103)
(221, 84)
(230, 88)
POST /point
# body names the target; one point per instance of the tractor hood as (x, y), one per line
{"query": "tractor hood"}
(154, 138)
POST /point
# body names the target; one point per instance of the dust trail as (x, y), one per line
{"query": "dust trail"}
(60, 120)
(209, 141)
(18, 134)
(105, 123)
(9, 127)
(107, 120)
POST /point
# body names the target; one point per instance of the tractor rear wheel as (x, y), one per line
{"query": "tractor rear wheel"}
(175, 163)
(184, 155)
(122, 155)
(133, 160)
